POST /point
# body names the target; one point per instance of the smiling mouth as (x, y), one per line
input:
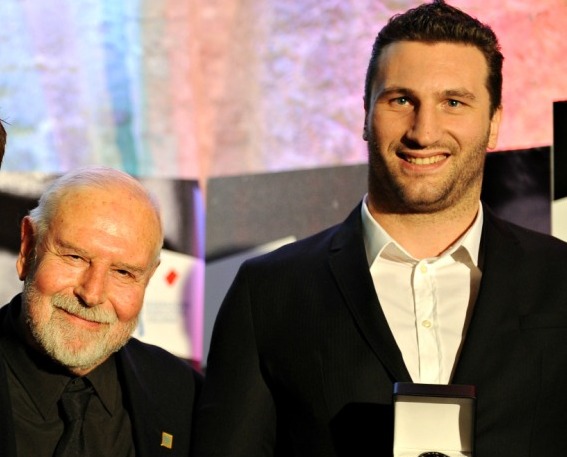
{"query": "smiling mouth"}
(88, 320)
(423, 160)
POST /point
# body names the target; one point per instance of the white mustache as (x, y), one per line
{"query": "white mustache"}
(73, 306)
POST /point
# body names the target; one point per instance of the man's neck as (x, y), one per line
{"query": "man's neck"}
(426, 235)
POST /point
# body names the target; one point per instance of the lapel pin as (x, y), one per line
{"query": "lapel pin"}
(166, 440)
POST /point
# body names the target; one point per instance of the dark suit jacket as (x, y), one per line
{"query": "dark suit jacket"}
(160, 391)
(302, 361)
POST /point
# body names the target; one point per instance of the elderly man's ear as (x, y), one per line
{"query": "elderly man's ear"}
(27, 248)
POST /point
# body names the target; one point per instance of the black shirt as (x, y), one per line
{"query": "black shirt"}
(36, 384)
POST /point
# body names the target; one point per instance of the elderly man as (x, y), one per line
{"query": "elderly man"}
(87, 253)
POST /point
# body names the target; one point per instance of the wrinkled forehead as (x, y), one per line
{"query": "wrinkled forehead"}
(113, 210)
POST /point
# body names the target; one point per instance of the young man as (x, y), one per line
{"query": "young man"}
(87, 253)
(421, 283)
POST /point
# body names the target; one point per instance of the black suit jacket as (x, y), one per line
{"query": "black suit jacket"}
(302, 361)
(159, 388)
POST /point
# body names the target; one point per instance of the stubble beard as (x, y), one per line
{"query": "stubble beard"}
(74, 348)
(393, 195)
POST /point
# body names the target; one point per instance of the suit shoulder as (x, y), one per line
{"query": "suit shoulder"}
(151, 359)
(531, 240)
(302, 250)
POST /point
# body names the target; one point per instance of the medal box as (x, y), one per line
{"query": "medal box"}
(434, 420)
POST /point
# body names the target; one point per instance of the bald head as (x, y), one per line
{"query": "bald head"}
(87, 185)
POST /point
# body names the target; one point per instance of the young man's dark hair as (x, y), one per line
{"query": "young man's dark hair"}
(439, 22)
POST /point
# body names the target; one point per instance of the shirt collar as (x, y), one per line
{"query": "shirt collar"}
(104, 379)
(378, 242)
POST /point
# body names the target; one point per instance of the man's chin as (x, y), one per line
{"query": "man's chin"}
(80, 356)
(79, 349)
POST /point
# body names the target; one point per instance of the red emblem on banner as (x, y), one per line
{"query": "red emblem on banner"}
(171, 277)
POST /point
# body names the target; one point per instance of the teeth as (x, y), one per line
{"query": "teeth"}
(425, 160)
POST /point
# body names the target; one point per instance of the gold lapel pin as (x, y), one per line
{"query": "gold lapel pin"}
(166, 440)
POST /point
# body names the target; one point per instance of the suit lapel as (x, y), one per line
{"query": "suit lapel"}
(493, 311)
(145, 414)
(348, 263)
(496, 308)
(7, 432)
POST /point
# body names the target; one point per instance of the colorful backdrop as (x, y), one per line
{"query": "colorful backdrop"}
(200, 88)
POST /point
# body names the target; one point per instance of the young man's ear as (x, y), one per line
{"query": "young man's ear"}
(494, 128)
(27, 248)
(365, 127)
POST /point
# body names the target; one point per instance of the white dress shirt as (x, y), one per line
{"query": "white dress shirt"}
(426, 302)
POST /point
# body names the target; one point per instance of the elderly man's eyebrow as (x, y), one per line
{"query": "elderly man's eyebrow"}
(62, 244)
(129, 267)
(65, 245)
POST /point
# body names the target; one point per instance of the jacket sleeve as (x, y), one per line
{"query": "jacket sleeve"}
(236, 413)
